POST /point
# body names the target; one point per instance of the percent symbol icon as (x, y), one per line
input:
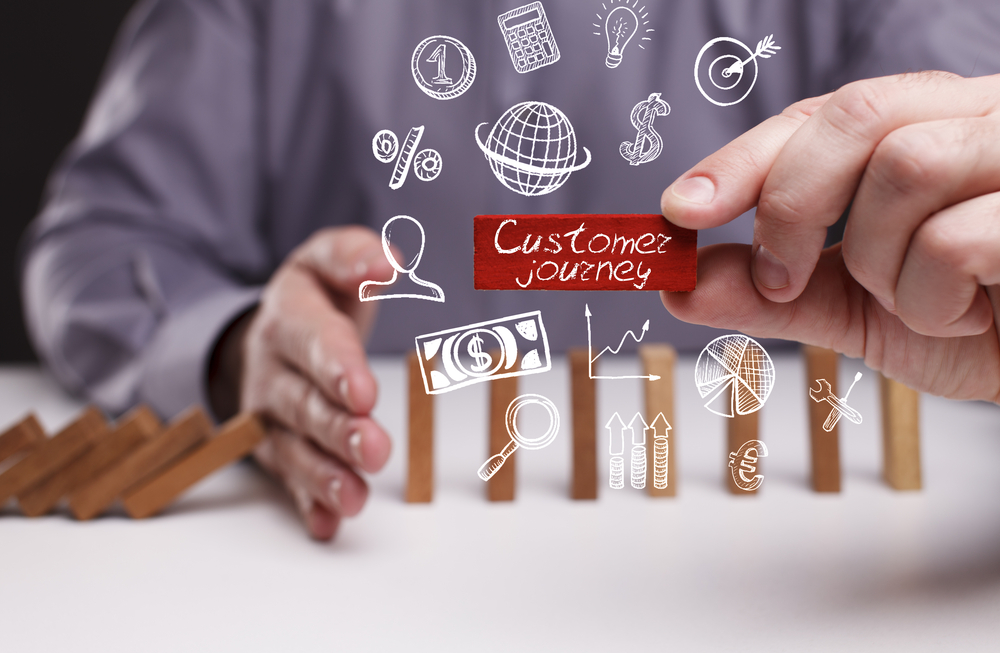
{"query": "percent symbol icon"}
(426, 163)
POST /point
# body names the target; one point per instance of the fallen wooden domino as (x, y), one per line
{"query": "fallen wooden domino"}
(503, 392)
(420, 474)
(185, 432)
(139, 461)
(659, 360)
(130, 432)
(21, 438)
(824, 446)
(236, 438)
(53, 454)
(584, 400)
(901, 435)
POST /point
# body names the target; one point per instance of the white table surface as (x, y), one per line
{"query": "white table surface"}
(228, 567)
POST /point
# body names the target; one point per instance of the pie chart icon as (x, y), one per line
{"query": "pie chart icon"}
(736, 375)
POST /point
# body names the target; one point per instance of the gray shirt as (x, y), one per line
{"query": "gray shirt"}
(225, 132)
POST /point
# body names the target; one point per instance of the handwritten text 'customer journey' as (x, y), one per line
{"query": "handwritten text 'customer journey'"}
(583, 252)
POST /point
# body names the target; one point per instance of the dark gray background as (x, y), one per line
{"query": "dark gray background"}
(52, 53)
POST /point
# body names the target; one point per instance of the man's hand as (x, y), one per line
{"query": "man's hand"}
(301, 364)
(913, 287)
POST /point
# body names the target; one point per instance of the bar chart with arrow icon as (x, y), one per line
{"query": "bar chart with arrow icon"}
(661, 450)
(635, 432)
(614, 351)
(638, 451)
(616, 448)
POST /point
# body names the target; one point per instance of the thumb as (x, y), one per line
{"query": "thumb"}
(727, 184)
(344, 257)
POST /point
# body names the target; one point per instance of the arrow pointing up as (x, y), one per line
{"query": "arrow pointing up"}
(618, 439)
(642, 434)
(660, 424)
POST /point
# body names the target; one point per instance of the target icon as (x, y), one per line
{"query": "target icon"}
(722, 69)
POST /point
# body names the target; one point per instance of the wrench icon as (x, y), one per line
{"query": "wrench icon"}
(840, 407)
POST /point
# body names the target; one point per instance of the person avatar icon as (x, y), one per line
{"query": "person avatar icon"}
(368, 291)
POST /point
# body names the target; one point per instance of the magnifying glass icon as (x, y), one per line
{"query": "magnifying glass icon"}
(491, 466)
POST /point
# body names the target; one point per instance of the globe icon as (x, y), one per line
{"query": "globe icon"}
(532, 148)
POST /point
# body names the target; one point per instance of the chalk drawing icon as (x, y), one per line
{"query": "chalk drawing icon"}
(616, 447)
(736, 374)
(638, 451)
(528, 36)
(648, 143)
(497, 349)
(517, 439)
(619, 24)
(661, 431)
(744, 461)
(426, 164)
(609, 350)
(636, 435)
(435, 80)
(368, 291)
(840, 407)
(721, 78)
(532, 148)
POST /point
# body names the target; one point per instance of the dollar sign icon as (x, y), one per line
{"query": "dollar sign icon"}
(483, 360)
(648, 143)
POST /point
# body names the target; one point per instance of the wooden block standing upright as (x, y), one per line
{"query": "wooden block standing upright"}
(741, 429)
(184, 433)
(135, 428)
(501, 485)
(660, 360)
(21, 438)
(420, 474)
(584, 398)
(901, 435)
(236, 438)
(824, 446)
(53, 454)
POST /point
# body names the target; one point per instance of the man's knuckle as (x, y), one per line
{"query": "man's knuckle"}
(858, 109)
(909, 160)
(954, 248)
(778, 207)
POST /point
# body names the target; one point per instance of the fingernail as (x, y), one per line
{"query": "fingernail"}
(333, 492)
(697, 190)
(354, 442)
(770, 272)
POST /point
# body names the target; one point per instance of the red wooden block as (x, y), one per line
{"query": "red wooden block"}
(583, 252)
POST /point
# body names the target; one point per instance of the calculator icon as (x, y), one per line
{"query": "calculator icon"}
(529, 37)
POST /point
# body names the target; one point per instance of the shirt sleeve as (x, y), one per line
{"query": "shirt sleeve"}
(891, 37)
(146, 247)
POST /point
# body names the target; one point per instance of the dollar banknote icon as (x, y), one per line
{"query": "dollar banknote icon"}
(510, 346)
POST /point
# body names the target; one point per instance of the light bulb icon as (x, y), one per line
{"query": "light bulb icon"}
(620, 26)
